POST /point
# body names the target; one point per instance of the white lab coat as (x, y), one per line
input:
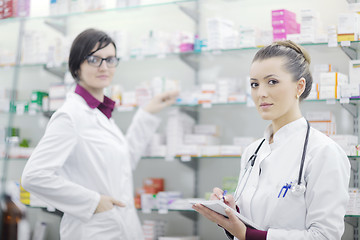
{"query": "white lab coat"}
(81, 156)
(319, 212)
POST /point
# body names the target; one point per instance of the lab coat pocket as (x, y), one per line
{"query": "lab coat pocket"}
(286, 206)
(103, 226)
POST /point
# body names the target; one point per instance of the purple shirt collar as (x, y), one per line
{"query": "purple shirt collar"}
(105, 107)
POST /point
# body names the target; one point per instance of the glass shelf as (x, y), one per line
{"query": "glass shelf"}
(352, 216)
(27, 114)
(179, 157)
(170, 210)
(153, 158)
(154, 5)
(165, 55)
(16, 159)
(204, 106)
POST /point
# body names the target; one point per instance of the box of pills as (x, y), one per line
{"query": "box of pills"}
(230, 150)
(206, 129)
(323, 116)
(333, 79)
(283, 14)
(328, 92)
(349, 90)
(210, 150)
(354, 71)
(348, 23)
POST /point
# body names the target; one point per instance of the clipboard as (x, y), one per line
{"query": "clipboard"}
(219, 207)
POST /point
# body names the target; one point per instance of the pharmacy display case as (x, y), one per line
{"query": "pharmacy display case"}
(33, 60)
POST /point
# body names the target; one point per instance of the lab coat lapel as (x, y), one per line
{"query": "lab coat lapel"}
(108, 125)
(263, 153)
(254, 175)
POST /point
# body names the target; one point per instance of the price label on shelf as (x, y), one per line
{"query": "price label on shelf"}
(163, 211)
(345, 43)
(344, 100)
(146, 210)
(330, 101)
(216, 52)
(186, 158)
(206, 105)
(169, 158)
(161, 55)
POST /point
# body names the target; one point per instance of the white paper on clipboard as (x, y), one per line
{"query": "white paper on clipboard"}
(219, 207)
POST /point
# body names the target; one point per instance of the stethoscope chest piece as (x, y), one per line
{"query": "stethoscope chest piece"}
(298, 190)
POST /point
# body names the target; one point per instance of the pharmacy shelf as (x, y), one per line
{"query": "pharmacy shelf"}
(156, 158)
(56, 212)
(16, 159)
(102, 11)
(188, 213)
(192, 157)
(204, 106)
(354, 45)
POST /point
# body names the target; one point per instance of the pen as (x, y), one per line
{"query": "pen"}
(223, 195)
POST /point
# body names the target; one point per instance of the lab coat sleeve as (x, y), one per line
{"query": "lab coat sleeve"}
(327, 179)
(41, 174)
(139, 134)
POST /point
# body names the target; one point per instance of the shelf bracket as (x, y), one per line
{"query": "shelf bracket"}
(352, 221)
(59, 72)
(193, 163)
(185, 57)
(190, 12)
(48, 114)
(59, 24)
(354, 165)
(192, 215)
(353, 110)
(350, 52)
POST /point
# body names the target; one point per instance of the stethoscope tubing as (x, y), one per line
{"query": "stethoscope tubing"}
(254, 156)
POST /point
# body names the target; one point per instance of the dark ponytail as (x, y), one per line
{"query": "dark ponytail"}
(298, 61)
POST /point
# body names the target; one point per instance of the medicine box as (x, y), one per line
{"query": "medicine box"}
(188, 150)
(348, 23)
(349, 90)
(354, 71)
(230, 150)
(286, 30)
(320, 116)
(333, 79)
(329, 92)
(200, 139)
(1, 9)
(328, 128)
(206, 129)
(9, 9)
(210, 150)
(288, 24)
(283, 14)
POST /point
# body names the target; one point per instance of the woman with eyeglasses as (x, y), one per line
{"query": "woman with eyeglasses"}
(83, 164)
(293, 182)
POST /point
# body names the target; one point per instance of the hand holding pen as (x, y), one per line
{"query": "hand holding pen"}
(219, 194)
(223, 196)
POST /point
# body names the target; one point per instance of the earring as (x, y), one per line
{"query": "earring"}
(297, 96)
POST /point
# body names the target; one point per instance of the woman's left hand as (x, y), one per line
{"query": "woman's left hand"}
(232, 224)
(161, 101)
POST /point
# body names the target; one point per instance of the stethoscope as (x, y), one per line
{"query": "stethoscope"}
(298, 189)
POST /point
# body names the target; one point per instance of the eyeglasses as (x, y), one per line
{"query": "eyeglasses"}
(95, 61)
